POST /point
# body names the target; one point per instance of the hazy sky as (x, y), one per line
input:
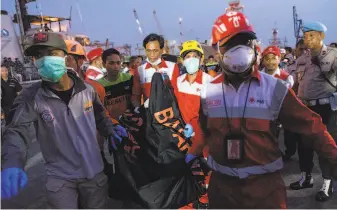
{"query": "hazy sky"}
(114, 19)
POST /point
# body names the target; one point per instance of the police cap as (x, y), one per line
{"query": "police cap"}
(314, 26)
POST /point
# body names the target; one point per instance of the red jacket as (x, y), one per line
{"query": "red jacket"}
(268, 100)
(188, 98)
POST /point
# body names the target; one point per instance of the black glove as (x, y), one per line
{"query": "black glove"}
(198, 166)
(131, 120)
(131, 146)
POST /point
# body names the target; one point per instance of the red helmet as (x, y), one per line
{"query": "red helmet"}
(229, 25)
(272, 50)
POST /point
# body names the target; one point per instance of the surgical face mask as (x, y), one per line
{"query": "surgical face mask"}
(192, 65)
(155, 63)
(51, 68)
(239, 59)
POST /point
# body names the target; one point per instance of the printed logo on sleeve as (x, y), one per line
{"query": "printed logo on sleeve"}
(213, 103)
(88, 106)
(47, 116)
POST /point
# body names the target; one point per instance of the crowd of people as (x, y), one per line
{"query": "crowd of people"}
(21, 71)
(227, 109)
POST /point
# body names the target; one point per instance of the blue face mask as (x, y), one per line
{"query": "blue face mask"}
(192, 65)
(51, 68)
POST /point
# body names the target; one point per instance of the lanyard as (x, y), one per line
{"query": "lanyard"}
(244, 109)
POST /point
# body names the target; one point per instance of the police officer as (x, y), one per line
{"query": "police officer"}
(65, 112)
(316, 75)
(10, 88)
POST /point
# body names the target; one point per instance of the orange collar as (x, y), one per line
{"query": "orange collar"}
(198, 79)
(161, 65)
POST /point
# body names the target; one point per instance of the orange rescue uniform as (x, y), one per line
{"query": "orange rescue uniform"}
(250, 180)
(188, 98)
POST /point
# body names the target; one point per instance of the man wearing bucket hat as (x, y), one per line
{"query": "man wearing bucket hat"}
(317, 78)
(66, 113)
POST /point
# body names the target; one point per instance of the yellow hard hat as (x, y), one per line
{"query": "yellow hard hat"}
(75, 48)
(189, 46)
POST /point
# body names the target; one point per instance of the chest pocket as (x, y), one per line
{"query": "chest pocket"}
(300, 72)
(326, 66)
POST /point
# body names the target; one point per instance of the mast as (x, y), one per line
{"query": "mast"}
(22, 14)
(140, 28)
(160, 29)
(297, 24)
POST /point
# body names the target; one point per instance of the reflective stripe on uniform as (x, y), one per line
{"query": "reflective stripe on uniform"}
(262, 103)
(243, 173)
(237, 112)
(279, 93)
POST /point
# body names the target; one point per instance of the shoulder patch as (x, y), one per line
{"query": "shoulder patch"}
(47, 116)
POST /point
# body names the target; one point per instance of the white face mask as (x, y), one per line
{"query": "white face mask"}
(156, 63)
(239, 58)
(192, 65)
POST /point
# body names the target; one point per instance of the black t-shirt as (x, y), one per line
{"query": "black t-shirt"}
(64, 95)
(9, 90)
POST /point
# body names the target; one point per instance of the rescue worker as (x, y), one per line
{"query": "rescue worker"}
(117, 90)
(75, 58)
(188, 92)
(317, 78)
(271, 59)
(240, 107)
(95, 70)
(153, 45)
(65, 113)
(212, 66)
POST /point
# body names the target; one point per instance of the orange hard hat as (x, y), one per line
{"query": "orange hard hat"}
(75, 48)
(229, 25)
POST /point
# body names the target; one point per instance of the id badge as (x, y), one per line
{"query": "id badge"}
(234, 146)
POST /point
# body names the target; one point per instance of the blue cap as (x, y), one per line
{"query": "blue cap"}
(314, 26)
